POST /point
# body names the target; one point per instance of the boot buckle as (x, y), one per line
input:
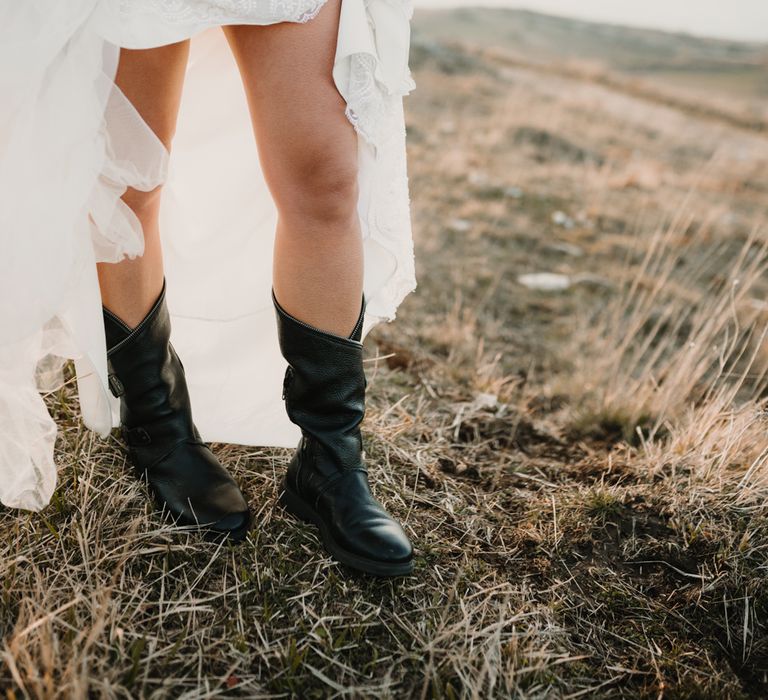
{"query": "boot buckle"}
(137, 436)
(115, 386)
(287, 380)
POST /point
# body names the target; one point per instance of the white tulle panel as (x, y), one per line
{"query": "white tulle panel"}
(70, 144)
(57, 162)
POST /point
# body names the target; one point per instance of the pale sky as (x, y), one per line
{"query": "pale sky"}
(729, 19)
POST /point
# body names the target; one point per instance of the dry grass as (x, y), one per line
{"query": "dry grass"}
(681, 333)
(583, 472)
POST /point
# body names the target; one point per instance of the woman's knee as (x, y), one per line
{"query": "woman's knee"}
(321, 187)
(146, 205)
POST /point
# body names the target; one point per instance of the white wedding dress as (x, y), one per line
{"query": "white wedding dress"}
(70, 144)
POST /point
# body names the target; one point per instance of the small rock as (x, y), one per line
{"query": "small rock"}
(460, 225)
(478, 177)
(560, 218)
(484, 400)
(567, 248)
(513, 192)
(545, 281)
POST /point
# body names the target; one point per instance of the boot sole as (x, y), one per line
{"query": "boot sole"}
(208, 531)
(300, 509)
(234, 536)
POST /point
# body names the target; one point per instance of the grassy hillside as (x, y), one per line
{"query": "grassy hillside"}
(568, 415)
(727, 67)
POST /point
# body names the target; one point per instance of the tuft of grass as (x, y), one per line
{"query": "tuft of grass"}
(679, 334)
(602, 505)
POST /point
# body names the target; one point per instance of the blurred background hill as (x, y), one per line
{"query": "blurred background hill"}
(682, 60)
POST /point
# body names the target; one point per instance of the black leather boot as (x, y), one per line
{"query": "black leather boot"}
(327, 481)
(156, 420)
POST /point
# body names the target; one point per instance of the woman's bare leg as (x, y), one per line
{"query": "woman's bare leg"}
(155, 412)
(308, 151)
(152, 80)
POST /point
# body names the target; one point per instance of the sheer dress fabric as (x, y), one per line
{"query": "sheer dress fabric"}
(70, 145)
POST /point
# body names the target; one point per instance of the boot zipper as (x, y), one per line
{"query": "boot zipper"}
(318, 330)
(322, 332)
(356, 329)
(134, 331)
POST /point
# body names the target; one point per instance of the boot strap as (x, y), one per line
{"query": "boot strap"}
(160, 433)
(331, 480)
(148, 451)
